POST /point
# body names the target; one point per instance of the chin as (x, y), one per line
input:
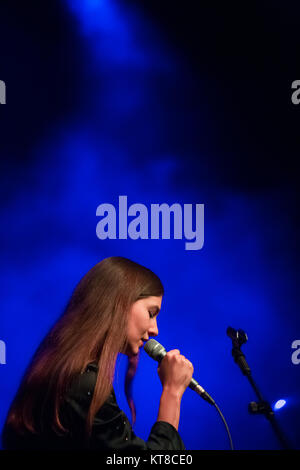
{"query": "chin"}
(132, 351)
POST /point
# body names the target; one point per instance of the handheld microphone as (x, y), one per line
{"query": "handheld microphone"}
(158, 352)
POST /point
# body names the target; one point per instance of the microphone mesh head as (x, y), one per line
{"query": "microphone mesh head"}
(154, 349)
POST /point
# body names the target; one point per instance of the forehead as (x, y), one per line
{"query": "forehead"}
(152, 301)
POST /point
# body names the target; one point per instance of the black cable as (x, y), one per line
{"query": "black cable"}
(226, 426)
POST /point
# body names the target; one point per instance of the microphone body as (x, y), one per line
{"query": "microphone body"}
(158, 352)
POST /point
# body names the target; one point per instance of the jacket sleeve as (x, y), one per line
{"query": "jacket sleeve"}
(163, 436)
(118, 434)
(111, 428)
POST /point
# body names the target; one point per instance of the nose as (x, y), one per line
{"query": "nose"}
(153, 330)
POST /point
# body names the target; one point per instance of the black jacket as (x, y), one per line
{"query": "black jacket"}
(111, 428)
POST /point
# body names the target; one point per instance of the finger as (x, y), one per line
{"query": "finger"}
(174, 352)
(187, 362)
(183, 358)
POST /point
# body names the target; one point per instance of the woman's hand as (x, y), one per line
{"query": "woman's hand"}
(175, 372)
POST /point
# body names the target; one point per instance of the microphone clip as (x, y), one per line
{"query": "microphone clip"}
(238, 338)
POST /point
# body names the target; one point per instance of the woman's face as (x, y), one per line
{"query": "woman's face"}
(142, 323)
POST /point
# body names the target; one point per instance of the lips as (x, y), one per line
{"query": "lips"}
(143, 341)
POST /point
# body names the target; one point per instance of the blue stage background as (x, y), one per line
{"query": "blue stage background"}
(108, 98)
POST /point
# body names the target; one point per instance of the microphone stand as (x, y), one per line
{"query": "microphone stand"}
(238, 338)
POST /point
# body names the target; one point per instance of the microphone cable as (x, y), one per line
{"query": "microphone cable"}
(225, 424)
(203, 394)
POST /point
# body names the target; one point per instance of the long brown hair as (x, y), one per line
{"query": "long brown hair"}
(92, 328)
